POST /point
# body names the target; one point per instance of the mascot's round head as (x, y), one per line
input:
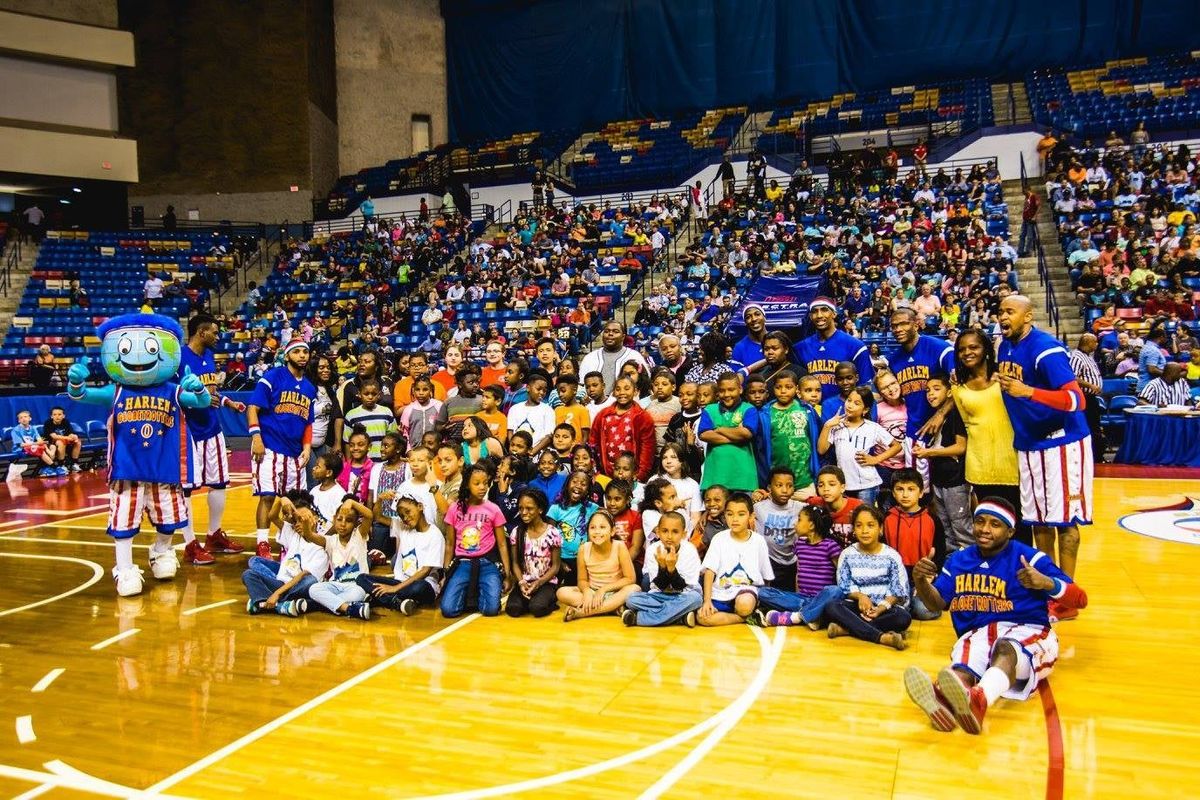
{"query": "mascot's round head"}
(140, 349)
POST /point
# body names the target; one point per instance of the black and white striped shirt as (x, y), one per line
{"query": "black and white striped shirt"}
(1160, 393)
(1084, 367)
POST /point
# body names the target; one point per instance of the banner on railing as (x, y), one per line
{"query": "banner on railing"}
(783, 298)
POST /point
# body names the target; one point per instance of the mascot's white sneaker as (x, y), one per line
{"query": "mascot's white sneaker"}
(163, 565)
(129, 580)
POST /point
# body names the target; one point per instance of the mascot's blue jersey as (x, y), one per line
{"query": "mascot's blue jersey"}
(203, 423)
(147, 436)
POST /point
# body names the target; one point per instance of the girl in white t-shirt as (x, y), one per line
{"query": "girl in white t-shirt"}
(859, 444)
(673, 465)
(346, 547)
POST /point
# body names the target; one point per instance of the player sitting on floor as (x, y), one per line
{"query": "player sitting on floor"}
(997, 592)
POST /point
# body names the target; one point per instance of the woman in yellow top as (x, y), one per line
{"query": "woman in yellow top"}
(991, 463)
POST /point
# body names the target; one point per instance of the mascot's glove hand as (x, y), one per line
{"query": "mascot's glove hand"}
(190, 383)
(78, 373)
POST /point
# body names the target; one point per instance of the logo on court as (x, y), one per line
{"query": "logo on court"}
(1174, 523)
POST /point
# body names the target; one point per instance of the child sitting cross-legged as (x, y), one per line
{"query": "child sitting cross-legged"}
(673, 574)
(876, 586)
(817, 555)
(735, 566)
(282, 586)
(605, 573)
(346, 547)
(420, 555)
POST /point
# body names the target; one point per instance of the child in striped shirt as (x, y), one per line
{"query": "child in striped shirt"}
(816, 581)
(876, 585)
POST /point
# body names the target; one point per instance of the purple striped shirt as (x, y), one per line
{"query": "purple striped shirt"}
(815, 565)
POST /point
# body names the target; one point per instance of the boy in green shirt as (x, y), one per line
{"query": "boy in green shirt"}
(727, 426)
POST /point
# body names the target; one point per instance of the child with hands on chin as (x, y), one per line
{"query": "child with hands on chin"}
(282, 586)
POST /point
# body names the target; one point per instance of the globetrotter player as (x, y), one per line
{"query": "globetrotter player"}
(1051, 435)
(208, 462)
(997, 592)
(280, 416)
(147, 436)
(821, 352)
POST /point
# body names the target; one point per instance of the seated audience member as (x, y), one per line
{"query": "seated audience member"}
(67, 445)
(997, 593)
(736, 565)
(605, 577)
(346, 547)
(420, 554)
(28, 440)
(282, 586)
(672, 574)
(536, 545)
(876, 585)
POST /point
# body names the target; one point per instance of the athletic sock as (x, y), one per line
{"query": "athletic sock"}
(189, 533)
(994, 683)
(216, 509)
(260, 535)
(124, 553)
(162, 543)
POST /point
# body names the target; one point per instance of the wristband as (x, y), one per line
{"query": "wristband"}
(255, 430)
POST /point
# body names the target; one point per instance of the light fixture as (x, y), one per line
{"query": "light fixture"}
(65, 202)
(76, 190)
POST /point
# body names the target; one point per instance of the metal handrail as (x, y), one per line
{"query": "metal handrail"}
(1043, 269)
(226, 226)
(12, 257)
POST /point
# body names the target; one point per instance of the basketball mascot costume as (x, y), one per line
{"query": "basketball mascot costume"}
(147, 438)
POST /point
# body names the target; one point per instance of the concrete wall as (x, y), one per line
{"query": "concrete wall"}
(266, 207)
(391, 64)
(87, 12)
(1007, 148)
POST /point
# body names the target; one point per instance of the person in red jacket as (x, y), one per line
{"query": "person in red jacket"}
(624, 426)
(913, 531)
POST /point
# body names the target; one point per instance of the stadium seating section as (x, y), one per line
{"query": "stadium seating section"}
(1163, 92)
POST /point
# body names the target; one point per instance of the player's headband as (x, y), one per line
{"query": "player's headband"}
(998, 511)
(752, 307)
(823, 302)
(294, 344)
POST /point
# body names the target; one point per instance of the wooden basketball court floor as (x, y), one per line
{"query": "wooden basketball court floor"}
(180, 693)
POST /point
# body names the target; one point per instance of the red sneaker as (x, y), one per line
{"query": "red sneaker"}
(219, 542)
(263, 549)
(195, 553)
(969, 704)
(925, 693)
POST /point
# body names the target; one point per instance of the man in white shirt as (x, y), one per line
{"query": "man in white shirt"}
(153, 290)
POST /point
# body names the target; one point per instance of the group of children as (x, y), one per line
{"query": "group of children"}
(783, 512)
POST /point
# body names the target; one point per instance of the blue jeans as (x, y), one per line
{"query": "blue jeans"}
(421, 591)
(868, 496)
(330, 595)
(921, 611)
(810, 607)
(655, 609)
(1028, 232)
(260, 581)
(490, 582)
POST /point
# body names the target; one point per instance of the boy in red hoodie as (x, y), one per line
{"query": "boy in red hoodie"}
(913, 531)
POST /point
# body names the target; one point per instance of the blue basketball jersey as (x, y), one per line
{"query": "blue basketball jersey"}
(285, 409)
(147, 438)
(979, 591)
(913, 370)
(1039, 360)
(203, 423)
(820, 358)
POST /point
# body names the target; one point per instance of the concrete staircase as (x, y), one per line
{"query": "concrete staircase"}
(1070, 322)
(747, 135)
(1015, 113)
(10, 301)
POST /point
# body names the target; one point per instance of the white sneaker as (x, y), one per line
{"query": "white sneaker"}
(164, 565)
(129, 580)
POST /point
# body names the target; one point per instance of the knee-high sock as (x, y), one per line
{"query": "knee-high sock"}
(162, 542)
(188, 530)
(216, 509)
(124, 553)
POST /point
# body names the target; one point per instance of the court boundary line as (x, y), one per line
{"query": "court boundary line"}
(733, 716)
(47, 679)
(97, 574)
(1055, 759)
(114, 639)
(269, 727)
(625, 759)
(67, 778)
(25, 732)
(217, 604)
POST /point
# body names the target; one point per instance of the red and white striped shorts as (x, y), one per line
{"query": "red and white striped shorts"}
(1056, 484)
(164, 503)
(1037, 650)
(209, 463)
(278, 474)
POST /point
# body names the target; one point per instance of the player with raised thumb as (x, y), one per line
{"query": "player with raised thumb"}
(926, 569)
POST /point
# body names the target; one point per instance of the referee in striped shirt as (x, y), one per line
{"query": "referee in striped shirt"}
(1087, 375)
(1169, 389)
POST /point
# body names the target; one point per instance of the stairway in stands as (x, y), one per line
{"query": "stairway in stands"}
(1070, 323)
